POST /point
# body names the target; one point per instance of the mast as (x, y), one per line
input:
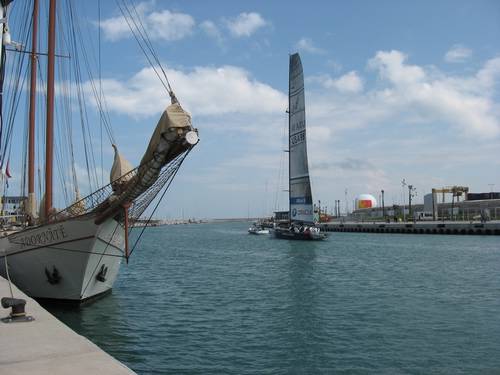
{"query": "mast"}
(31, 132)
(49, 140)
(4, 41)
(289, 133)
(2, 67)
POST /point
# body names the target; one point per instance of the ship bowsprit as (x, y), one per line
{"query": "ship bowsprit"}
(170, 143)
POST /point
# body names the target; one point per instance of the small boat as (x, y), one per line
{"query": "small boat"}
(301, 225)
(258, 229)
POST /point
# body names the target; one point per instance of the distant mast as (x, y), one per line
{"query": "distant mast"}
(31, 210)
(301, 207)
(49, 140)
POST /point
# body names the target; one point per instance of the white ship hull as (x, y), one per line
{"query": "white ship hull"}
(72, 260)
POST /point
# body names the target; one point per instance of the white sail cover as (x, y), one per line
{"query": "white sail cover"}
(121, 167)
(301, 205)
(173, 117)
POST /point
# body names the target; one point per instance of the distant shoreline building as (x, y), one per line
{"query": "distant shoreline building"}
(475, 205)
(12, 209)
(12, 205)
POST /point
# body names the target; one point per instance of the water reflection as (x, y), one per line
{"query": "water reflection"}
(304, 319)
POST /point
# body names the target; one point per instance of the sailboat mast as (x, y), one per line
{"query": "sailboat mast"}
(289, 144)
(49, 140)
(31, 132)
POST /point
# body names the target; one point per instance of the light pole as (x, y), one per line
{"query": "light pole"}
(346, 206)
(411, 194)
(403, 185)
(491, 190)
(383, 206)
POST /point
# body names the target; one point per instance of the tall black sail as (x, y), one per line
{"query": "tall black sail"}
(301, 205)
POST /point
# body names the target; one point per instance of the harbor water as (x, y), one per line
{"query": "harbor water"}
(211, 299)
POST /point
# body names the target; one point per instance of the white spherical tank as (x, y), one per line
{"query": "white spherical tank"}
(365, 201)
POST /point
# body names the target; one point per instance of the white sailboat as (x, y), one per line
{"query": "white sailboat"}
(75, 254)
(301, 213)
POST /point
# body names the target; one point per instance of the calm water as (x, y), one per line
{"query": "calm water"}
(209, 298)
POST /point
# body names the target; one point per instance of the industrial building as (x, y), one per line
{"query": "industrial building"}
(475, 206)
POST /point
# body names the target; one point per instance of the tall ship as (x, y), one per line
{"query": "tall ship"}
(301, 225)
(74, 254)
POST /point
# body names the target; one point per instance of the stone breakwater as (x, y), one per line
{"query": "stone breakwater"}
(423, 227)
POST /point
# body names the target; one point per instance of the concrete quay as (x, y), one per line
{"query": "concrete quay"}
(47, 346)
(419, 227)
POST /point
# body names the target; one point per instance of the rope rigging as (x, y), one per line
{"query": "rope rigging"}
(138, 30)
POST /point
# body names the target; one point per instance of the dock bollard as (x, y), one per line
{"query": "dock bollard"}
(18, 313)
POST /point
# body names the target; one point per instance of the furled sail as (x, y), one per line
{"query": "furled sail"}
(31, 206)
(173, 135)
(119, 171)
(301, 205)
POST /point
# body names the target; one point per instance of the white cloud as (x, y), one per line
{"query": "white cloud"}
(348, 83)
(438, 99)
(405, 94)
(203, 90)
(307, 45)
(245, 24)
(407, 102)
(211, 29)
(457, 54)
(160, 24)
(488, 76)
(391, 66)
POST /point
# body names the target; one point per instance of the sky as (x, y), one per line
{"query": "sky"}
(394, 90)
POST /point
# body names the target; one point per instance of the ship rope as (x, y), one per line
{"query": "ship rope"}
(167, 185)
(138, 30)
(16, 75)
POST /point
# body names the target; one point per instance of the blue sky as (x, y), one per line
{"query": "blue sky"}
(393, 90)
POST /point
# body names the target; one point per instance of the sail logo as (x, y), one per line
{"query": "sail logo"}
(298, 138)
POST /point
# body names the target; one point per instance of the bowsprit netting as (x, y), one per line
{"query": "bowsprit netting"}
(93, 203)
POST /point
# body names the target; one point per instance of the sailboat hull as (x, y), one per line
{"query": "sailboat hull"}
(73, 260)
(287, 234)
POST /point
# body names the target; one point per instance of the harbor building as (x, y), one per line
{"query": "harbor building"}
(475, 206)
(12, 208)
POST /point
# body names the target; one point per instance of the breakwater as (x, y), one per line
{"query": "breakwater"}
(419, 227)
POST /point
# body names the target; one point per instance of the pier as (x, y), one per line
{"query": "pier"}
(418, 227)
(44, 345)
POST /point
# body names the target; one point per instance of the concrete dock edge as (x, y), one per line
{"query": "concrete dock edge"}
(47, 346)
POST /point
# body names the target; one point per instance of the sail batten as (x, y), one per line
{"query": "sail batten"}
(301, 206)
